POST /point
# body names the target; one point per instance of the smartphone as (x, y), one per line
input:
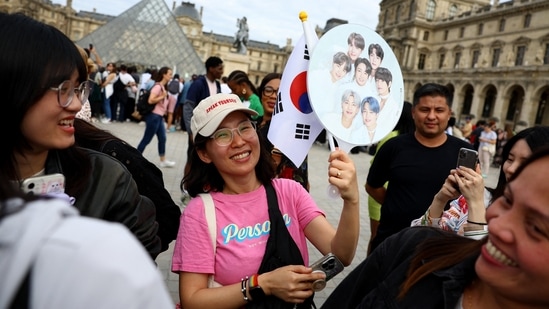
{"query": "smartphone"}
(328, 264)
(468, 158)
(52, 183)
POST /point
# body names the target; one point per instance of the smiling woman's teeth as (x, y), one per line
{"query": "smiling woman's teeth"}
(241, 156)
(499, 256)
(66, 123)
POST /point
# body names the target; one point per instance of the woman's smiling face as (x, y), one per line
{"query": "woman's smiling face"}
(47, 125)
(514, 260)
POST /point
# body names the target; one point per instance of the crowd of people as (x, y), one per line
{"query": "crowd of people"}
(439, 237)
(485, 136)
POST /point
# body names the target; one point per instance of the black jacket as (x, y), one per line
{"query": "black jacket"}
(150, 183)
(376, 282)
(112, 195)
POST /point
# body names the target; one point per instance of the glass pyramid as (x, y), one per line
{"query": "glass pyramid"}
(146, 35)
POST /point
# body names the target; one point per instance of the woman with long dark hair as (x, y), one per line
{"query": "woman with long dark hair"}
(155, 120)
(42, 92)
(263, 221)
(424, 267)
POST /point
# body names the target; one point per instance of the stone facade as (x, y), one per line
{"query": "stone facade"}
(261, 58)
(494, 57)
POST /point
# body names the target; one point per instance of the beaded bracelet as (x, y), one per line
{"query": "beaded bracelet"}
(243, 284)
(478, 223)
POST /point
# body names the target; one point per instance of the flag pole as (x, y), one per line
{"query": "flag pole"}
(307, 31)
(311, 45)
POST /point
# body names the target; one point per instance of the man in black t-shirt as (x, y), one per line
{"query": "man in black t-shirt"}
(415, 164)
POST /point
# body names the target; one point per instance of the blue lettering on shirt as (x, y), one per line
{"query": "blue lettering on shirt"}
(234, 232)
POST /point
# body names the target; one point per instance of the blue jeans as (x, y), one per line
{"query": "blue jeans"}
(154, 125)
(107, 108)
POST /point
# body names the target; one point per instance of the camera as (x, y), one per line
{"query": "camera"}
(328, 264)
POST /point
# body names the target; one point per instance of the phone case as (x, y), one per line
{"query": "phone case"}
(329, 264)
(53, 183)
(468, 158)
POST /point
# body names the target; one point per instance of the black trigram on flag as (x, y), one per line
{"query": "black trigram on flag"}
(278, 106)
(302, 131)
(306, 53)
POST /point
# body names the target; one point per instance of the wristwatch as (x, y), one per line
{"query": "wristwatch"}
(256, 292)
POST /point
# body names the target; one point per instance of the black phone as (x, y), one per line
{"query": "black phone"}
(328, 264)
(468, 158)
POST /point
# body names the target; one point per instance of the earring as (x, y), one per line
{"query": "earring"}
(243, 91)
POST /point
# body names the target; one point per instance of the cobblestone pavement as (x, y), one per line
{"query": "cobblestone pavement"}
(176, 147)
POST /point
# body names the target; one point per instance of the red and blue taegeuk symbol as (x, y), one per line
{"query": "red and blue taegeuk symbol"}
(298, 93)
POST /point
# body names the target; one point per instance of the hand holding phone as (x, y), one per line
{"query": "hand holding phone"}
(468, 158)
(328, 264)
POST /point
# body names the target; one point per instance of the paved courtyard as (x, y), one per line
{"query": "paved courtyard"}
(176, 147)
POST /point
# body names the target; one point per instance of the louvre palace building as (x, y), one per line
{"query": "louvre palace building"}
(493, 54)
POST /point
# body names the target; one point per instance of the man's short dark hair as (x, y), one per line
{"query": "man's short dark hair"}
(432, 89)
(213, 62)
(176, 76)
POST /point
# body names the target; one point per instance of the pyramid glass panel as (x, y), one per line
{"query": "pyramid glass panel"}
(146, 35)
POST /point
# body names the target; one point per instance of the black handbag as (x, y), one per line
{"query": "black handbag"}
(281, 251)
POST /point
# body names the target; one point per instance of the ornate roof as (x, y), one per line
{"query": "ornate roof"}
(187, 9)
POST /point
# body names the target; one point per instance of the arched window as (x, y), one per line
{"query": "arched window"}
(430, 13)
(453, 10)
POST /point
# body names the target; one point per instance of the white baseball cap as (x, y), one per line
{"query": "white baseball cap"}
(210, 112)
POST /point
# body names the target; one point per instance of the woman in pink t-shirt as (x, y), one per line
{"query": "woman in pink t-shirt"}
(229, 163)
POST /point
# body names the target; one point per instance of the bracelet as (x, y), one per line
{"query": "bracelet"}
(253, 282)
(478, 223)
(243, 284)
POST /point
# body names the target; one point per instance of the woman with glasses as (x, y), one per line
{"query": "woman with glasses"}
(253, 214)
(42, 92)
(284, 167)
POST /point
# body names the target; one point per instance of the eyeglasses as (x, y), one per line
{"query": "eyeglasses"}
(268, 91)
(224, 137)
(66, 91)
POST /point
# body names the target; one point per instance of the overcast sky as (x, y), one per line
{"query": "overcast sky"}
(272, 21)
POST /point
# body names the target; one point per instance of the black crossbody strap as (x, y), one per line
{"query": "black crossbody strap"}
(21, 300)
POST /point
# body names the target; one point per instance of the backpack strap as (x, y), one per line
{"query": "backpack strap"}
(209, 209)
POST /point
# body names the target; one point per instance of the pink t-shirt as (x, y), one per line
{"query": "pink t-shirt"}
(242, 231)
(160, 107)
